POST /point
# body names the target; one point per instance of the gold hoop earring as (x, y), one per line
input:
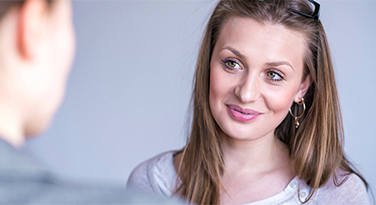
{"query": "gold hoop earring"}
(297, 117)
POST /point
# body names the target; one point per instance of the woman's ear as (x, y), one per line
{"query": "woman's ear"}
(31, 27)
(303, 89)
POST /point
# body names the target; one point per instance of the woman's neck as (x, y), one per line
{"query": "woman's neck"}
(11, 126)
(254, 169)
(255, 156)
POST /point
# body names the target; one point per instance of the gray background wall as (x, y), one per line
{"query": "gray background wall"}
(128, 93)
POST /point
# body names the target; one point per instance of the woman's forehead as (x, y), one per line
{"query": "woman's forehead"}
(254, 39)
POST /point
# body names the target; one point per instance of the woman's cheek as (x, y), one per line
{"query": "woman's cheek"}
(214, 89)
(279, 101)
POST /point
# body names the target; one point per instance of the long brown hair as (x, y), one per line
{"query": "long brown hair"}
(316, 147)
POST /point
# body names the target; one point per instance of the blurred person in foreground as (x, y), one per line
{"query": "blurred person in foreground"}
(37, 46)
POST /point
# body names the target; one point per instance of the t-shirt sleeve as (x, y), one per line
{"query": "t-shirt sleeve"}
(352, 191)
(139, 178)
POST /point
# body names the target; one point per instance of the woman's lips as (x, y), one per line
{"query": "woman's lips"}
(241, 114)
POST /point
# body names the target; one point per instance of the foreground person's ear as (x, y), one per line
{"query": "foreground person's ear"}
(31, 27)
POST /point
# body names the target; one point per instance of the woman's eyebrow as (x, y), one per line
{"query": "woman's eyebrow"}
(279, 63)
(272, 64)
(234, 51)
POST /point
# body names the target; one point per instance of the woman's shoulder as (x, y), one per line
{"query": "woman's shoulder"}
(349, 189)
(156, 175)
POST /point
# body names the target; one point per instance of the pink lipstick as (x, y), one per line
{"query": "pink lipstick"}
(241, 114)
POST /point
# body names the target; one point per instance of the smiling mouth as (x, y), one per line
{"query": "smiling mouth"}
(243, 112)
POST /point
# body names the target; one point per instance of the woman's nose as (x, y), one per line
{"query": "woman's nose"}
(248, 90)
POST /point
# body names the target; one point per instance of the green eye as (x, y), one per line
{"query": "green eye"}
(274, 76)
(271, 74)
(232, 64)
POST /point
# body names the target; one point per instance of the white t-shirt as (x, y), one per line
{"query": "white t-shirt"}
(158, 176)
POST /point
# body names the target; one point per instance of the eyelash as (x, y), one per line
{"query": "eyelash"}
(229, 68)
(276, 73)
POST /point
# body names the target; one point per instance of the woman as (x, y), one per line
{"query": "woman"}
(267, 125)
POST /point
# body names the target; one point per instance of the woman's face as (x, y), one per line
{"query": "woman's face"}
(255, 75)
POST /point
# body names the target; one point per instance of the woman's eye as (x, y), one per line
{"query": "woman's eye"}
(272, 75)
(231, 65)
